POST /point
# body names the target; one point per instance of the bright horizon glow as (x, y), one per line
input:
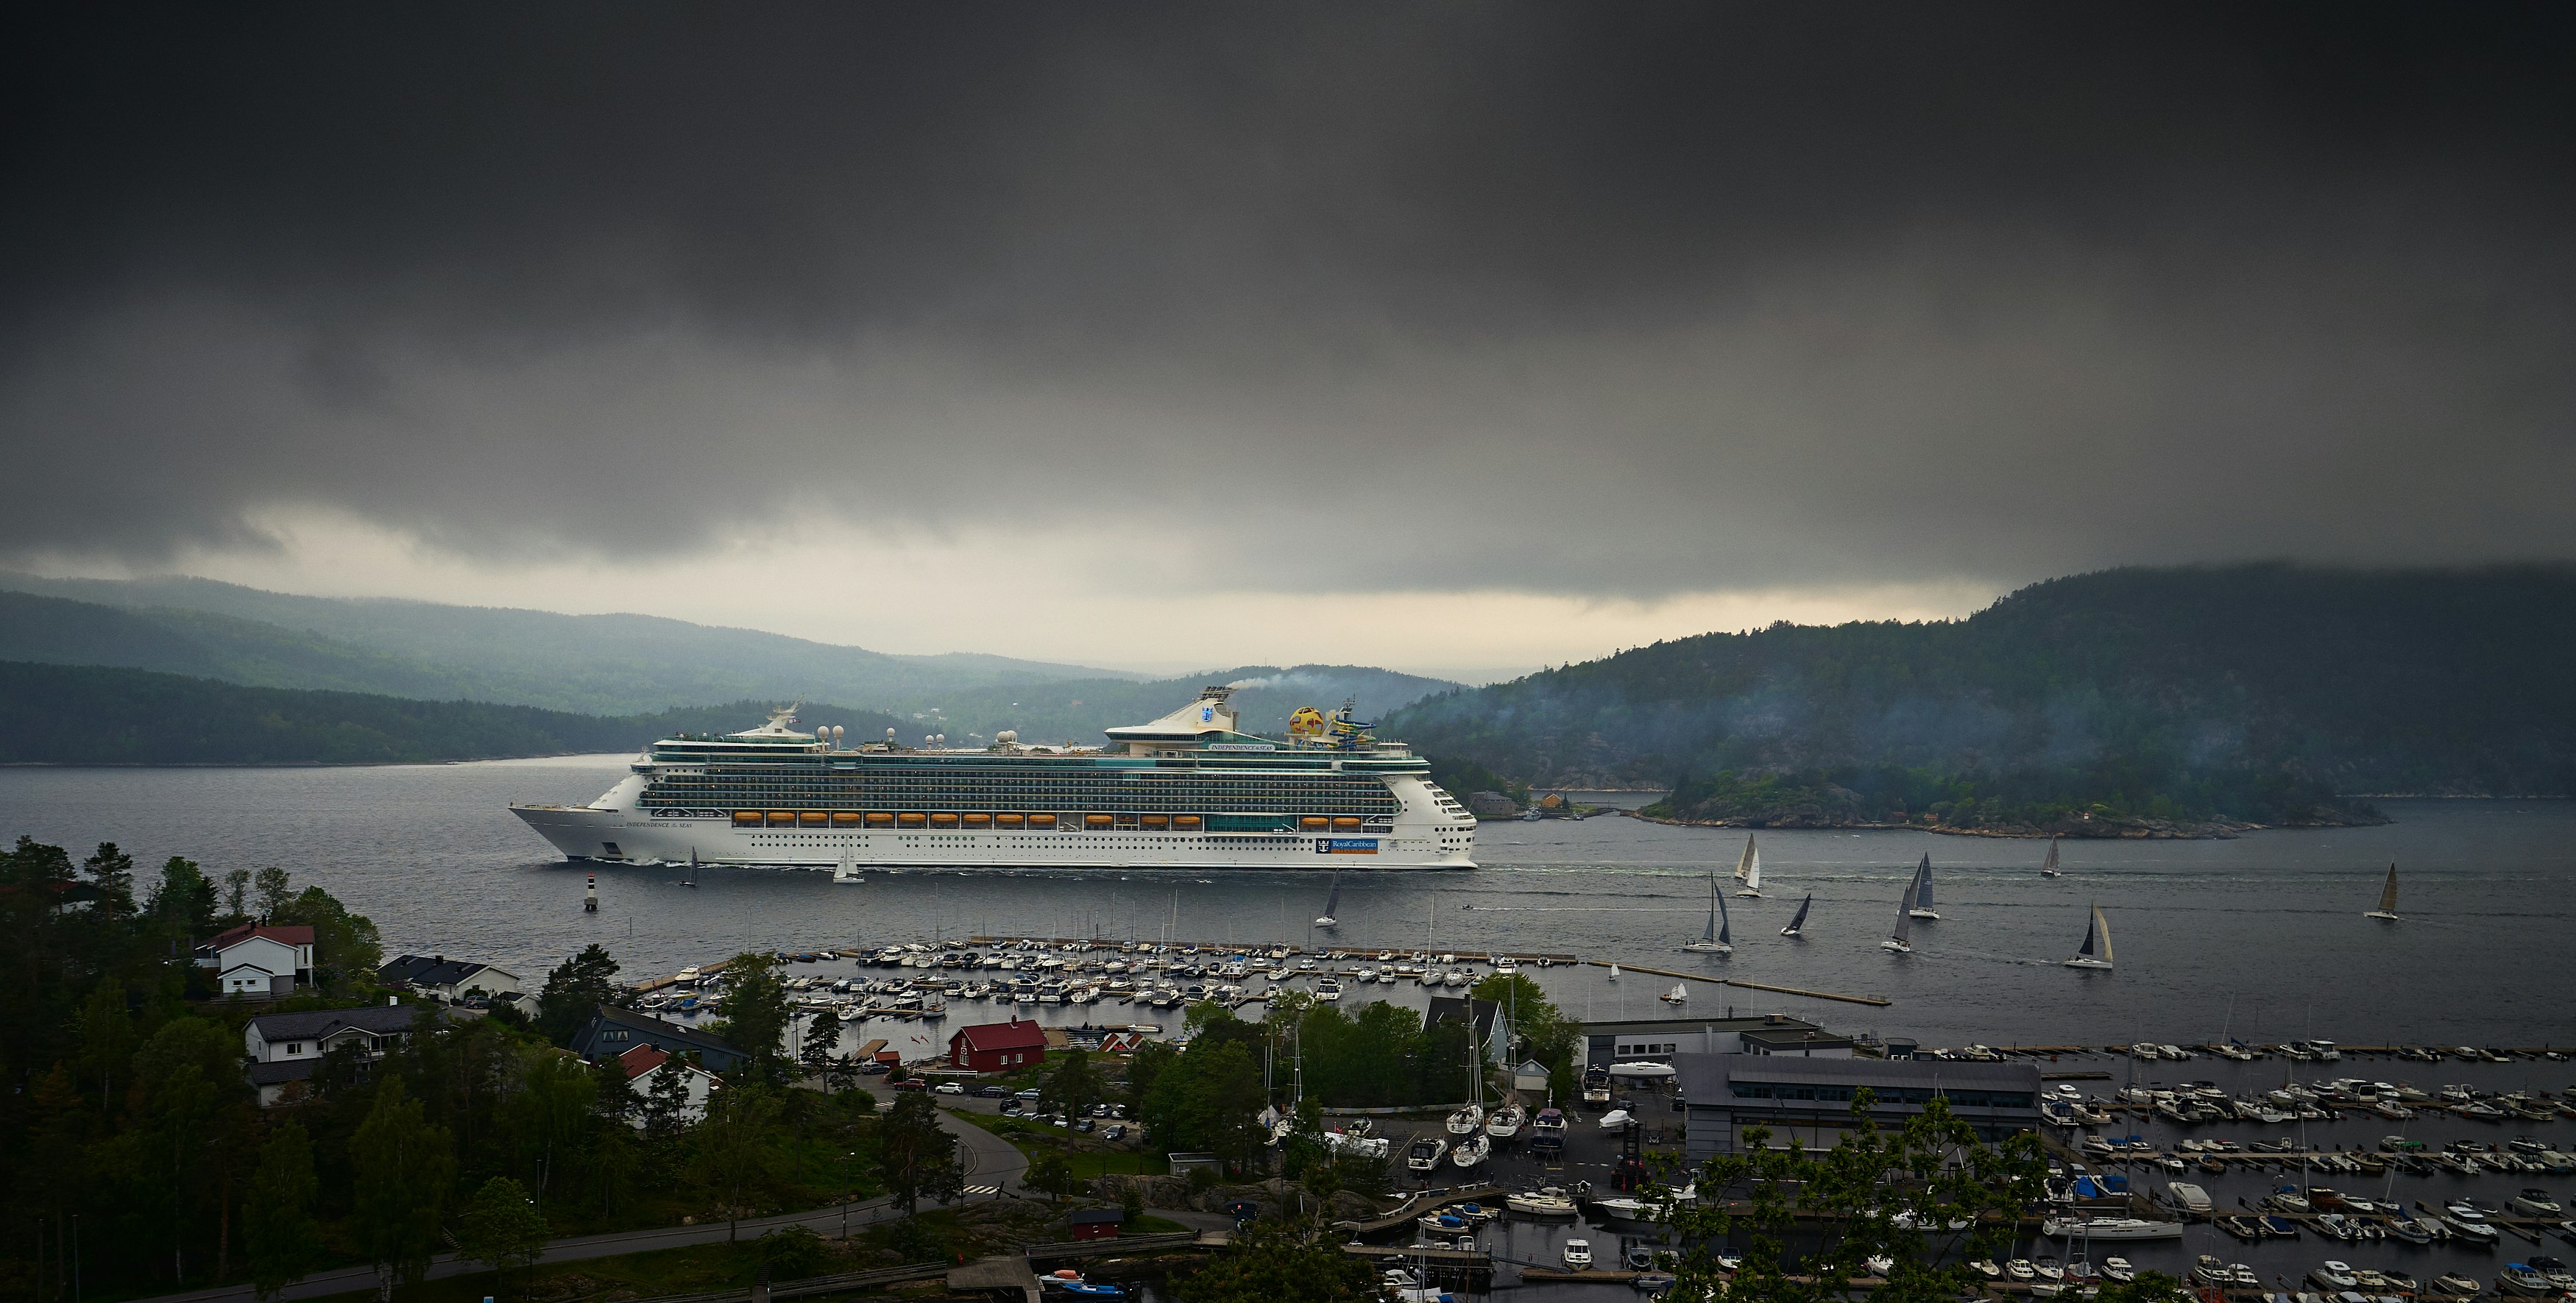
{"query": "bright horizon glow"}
(1018, 597)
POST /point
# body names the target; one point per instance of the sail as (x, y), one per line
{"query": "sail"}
(2049, 865)
(1722, 923)
(2388, 893)
(1905, 916)
(2102, 929)
(1333, 902)
(1799, 923)
(1750, 861)
(2086, 950)
(1716, 901)
(1923, 883)
(1752, 866)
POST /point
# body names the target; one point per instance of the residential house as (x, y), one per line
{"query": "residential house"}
(1484, 1018)
(258, 960)
(613, 1031)
(997, 1046)
(285, 1048)
(645, 1065)
(450, 981)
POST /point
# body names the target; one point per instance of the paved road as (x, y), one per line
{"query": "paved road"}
(987, 1159)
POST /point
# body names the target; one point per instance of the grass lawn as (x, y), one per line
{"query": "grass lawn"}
(1087, 1157)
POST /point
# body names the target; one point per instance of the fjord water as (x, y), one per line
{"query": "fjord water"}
(2260, 937)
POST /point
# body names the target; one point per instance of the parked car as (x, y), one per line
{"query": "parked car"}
(1084, 1124)
(1059, 1120)
(1010, 1108)
(872, 1068)
(1030, 1095)
(1100, 1110)
(992, 1092)
(912, 1083)
(949, 1088)
(1116, 1131)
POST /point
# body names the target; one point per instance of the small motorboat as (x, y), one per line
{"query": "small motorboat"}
(2332, 1276)
(1072, 1284)
(1618, 1119)
(1988, 1268)
(1546, 1201)
(2021, 1269)
(2119, 1271)
(2452, 1282)
(1578, 1255)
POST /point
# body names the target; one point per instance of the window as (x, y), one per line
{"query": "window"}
(295, 1047)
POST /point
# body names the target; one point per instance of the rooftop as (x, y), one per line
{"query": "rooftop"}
(319, 1024)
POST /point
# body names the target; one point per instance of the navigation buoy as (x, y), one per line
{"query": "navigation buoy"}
(590, 902)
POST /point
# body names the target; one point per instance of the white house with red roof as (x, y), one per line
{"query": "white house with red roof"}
(260, 960)
(644, 1063)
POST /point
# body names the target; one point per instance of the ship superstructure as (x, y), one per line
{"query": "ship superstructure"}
(1189, 790)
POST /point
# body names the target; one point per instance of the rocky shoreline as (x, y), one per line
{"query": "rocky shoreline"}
(2089, 827)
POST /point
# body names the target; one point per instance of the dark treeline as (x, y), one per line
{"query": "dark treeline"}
(2249, 692)
(90, 715)
(128, 1126)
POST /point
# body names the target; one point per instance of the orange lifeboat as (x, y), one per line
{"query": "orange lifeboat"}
(1185, 821)
(910, 820)
(880, 819)
(815, 818)
(1041, 821)
(975, 820)
(1316, 822)
(943, 821)
(782, 818)
(747, 818)
(1096, 820)
(1008, 820)
(1156, 821)
(1346, 823)
(845, 818)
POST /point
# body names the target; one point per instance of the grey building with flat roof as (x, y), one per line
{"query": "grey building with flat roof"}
(1807, 1101)
(1657, 1040)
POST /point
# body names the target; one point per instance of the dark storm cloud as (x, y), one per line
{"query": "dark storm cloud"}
(1662, 297)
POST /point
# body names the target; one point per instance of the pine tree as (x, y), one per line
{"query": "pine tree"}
(822, 1036)
(404, 1167)
(279, 1230)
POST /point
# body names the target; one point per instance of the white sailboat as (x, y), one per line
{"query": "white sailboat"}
(2048, 867)
(1678, 995)
(2096, 952)
(1715, 939)
(1798, 924)
(2387, 898)
(1897, 941)
(1922, 907)
(1332, 905)
(848, 869)
(1748, 869)
(1614, 972)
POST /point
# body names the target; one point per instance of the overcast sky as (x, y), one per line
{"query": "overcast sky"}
(1462, 338)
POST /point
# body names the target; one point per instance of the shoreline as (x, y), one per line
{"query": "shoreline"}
(2077, 830)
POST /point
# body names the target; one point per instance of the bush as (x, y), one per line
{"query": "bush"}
(791, 1252)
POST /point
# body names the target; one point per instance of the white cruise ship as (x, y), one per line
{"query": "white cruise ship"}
(1190, 790)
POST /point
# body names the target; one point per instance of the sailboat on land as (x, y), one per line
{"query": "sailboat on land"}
(2097, 944)
(2387, 898)
(848, 870)
(1798, 924)
(2048, 867)
(1716, 938)
(1748, 869)
(1332, 905)
(1897, 941)
(1922, 907)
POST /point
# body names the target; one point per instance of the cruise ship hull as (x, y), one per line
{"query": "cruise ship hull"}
(635, 836)
(1187, 791)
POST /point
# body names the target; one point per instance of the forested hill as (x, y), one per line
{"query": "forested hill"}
(2247, 692)
(92, 715)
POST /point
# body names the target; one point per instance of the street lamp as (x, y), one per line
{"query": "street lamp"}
(846, 1156)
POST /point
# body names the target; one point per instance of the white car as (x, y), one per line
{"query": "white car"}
(948, 1088)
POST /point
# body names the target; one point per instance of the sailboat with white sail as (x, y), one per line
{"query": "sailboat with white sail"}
(1332, 905)
(1922, 907)
(2048, 867)
(1748, 869)
(1898, 940)
(1798, 923)
(2387, 910)
(1717, 938)
(2096, 952)
(848, 869)
(1680, 994)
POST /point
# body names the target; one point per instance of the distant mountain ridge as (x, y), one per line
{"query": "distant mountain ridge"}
(595, 664)
(2249, 693)
(96, 715)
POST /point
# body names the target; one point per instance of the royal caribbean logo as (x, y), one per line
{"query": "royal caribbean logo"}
(1346, 846)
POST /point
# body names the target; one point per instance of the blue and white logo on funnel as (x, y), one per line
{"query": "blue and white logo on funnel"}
(1207, 714)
